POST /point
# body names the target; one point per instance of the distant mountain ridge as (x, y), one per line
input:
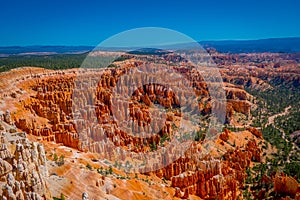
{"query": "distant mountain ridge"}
(286, 45)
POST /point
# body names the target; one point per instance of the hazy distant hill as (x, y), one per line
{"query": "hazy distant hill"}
(287, 45)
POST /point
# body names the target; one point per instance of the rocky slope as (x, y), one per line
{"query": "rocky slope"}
(23, 167)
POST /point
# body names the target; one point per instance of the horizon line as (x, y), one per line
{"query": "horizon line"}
(199, 41)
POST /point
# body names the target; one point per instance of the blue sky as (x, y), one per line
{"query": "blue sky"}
(66, 22)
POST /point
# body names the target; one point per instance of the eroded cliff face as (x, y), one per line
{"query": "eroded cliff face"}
(259, 71)
(286, 185)
(212, 178)
(54, 100)
(55, 96)
(23, 168)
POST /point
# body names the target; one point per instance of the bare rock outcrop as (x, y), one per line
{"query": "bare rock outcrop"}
(225, 135)
(255, 132)
(285, 185)
(212, 178)
(23, 169)
(7, 117)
